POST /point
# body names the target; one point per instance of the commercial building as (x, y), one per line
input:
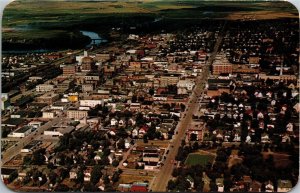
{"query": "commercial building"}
(44, 88)
(69, 70)
(77, 114)
(48, 98)
(21, 132)
(169, 79)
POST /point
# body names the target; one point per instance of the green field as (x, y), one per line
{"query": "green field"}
(194, 159)
(44, 20)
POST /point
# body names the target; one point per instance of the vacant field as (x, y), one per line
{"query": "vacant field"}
(162, 144)
(194, 159)
(280, 159)
(125, 178)
(36, 13)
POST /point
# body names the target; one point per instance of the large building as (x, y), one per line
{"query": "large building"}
(44, 88)
(90, 103)
(87, 64)
(48, 98)
(219, 68)
(69, 70)
(169, 79)
(77, 114)
(64, 86)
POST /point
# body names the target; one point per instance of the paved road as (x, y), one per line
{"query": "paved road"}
(14, 150)
(161, 181)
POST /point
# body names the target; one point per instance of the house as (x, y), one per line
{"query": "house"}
(138, 188)
(269, 187)
(97, 157)
(135, 133)
(111, 157)
(220, 184)
(128, 143)
(265, 138)
(150, 165)
(124, 187)
(191, 181)
(142, 131)
(87, 174)
(113, 122)
(255, 186)
(73, 174)
(284, 185)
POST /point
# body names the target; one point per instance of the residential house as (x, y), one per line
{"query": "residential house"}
(284, 186)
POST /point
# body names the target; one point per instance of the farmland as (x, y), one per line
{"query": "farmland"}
(36, 22)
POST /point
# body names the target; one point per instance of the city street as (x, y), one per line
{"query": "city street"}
(161, 181)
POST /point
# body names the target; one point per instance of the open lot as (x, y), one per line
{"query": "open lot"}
(196, 158)
(162, 144)
(280, 159)
(125, 178)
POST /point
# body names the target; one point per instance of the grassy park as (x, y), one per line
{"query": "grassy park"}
(195, 159)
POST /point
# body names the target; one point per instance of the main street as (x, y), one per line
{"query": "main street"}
(161, 181)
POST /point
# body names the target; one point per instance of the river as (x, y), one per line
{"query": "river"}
(98, 40)
(90, 34)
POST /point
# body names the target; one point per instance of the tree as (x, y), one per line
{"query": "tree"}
(151, 91)
(116, 177)
(193, 137)
(145, 138)
(213, 186)
(5, 131)
(121, 143)
(134, 99)
(106, 179)
(90, 187)
(96, 174)
(50, 165)
(61, 188)
(199, 187)
(171, 185)
(26, 160)
(38, 157)
(12, 176)
(182, 107)
(52, 177)
(115, 163)
(196, 146)
(80, 177)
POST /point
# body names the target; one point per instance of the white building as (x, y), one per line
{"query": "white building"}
(188, 84)
(90, 103)
(44, 88)
(49, 115)
(35, 124)
(21, 132)
(55, 132)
